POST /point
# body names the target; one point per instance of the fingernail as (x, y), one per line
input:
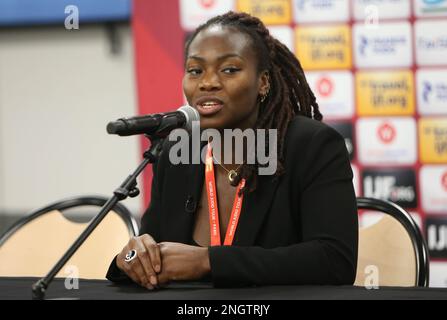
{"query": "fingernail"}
(153, 280)
(157, 268)
(149, 287)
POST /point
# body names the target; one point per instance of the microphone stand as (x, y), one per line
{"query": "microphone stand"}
(127, 188)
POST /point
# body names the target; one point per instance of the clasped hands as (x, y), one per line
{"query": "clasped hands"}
(156, 264)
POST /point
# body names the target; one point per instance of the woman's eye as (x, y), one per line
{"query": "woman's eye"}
(231, 70)
(194, 72)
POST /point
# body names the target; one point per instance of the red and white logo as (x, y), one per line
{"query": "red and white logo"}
(325, 87)
(193, 13)
(444, 181)
(334, 91)
(207, 3)
(382, 141)
(386, 133)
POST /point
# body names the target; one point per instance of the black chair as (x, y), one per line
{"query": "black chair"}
(35, 243)
(394, 246)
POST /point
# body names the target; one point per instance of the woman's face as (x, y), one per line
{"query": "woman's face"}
(221, 79)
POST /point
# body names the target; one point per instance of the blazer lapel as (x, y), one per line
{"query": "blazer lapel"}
(178, 218)
(254, 209)
(180, 206)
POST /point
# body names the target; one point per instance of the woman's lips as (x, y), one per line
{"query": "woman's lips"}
(209, 109)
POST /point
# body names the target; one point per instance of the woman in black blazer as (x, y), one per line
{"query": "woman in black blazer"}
(297, 226)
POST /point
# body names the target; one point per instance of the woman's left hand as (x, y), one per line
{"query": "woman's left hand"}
(182, 262)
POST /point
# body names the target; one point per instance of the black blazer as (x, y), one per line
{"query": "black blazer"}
(299, 229)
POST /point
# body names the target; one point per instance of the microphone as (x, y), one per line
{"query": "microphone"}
(157, 125)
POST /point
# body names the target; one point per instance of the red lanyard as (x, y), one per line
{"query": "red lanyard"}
(212, 204)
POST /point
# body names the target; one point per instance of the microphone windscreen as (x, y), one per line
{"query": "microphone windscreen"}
(191, 115)
(115, 127)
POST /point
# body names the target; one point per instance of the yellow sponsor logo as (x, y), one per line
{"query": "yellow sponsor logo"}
(433, 140)
(385, 93)
(326, 47)
(269, 11)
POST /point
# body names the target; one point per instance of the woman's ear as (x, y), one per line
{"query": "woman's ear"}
(264, 83)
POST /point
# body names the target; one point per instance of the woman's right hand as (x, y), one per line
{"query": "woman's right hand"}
(143, 269)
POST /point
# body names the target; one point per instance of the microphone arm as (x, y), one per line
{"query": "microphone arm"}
(127, 188)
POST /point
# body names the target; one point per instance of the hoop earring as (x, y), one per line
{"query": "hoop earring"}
(265, 95)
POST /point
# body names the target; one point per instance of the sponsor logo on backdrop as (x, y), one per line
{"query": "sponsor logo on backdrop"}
(320, 11)
(386, 9)
(269, 11)
(425, 8)
(334, 93)
(326, 47)
(433, 140)
(432, 91)
(436, 232)
(207, 3)
(434, 189)
(195, 12)
(386, 141)
(386, 133)
(385, 93)
(396, 185)
(345, 129)
(431, 43)
(389, 45)
(444, 181)
(325, 87)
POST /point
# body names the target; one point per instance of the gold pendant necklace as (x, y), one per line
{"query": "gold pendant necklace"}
(232, 174)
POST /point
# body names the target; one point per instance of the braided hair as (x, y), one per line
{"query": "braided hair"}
(289, 93)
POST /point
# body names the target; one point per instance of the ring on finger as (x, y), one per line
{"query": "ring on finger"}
(132, 254)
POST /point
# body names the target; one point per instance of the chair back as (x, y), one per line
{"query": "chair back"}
(33, 245)
(393, 247)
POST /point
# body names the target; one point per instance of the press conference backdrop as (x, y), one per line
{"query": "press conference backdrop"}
(379, 71)
(377, 67)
